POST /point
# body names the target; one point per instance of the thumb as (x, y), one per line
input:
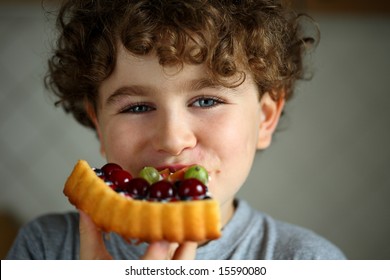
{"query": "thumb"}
(91, 240)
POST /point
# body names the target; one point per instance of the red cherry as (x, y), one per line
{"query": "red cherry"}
(109, 167)
(191, 188)
(137, 188)
(162, 190)
(120, 178)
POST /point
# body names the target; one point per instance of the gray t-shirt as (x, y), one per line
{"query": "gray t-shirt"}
(250, 234)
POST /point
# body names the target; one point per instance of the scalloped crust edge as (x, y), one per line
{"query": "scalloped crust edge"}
(141, 220)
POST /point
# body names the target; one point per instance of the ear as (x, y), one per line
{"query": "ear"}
(271, 111)
(91, 112)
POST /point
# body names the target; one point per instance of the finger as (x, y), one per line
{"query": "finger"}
(157, 251)
(186, 251)
(91, 240)
(164, 250)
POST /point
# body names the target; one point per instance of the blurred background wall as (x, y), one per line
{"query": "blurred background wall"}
(328, 168)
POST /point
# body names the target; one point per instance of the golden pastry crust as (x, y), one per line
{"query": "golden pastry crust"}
(141, 220)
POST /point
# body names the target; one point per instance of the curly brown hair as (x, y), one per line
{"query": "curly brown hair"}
(231, 37)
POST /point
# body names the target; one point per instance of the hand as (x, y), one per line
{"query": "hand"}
(92, 245)
(163, 250)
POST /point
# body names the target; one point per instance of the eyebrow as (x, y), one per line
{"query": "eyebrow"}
(199, 84)
(141, 90)
(132, 90)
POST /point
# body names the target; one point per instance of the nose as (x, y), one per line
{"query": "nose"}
(173, 134)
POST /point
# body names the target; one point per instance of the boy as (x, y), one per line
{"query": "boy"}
(172, 83)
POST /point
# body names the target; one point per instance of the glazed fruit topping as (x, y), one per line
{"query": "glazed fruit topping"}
(185, 184)
(137, 188)
(162, 190)
(99, 172)
(192, 188)
(198, 172)
(120, 178)
(150, 174)
(109, 167)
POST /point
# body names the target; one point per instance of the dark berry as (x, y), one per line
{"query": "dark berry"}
(191, 188)
(99, 172)
(109, 167)
(137, 188)
(162, 190)
(120, 178)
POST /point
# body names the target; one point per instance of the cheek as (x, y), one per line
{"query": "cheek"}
(235, 147)
(239, 151)
(236, 137)
(118, 138)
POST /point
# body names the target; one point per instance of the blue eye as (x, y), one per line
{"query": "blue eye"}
(137, 109)
(206, 102)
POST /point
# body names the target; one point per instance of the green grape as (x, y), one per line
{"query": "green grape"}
(150, 174)
(197, 172)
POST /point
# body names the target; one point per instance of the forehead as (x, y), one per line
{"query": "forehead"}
(144, 73)
(146, 70)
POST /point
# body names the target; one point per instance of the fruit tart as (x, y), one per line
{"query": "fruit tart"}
(154, 205)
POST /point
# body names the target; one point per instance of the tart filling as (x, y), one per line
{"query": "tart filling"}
(156, 205)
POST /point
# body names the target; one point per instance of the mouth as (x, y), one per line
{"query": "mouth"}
(172, 168)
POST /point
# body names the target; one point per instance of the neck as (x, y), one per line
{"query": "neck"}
(227, 211)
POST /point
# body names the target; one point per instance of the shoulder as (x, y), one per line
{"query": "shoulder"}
(294, 242)
(52, 224)
(280, 240)
(46, 237)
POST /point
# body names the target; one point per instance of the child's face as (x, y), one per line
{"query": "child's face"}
(153, 116)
